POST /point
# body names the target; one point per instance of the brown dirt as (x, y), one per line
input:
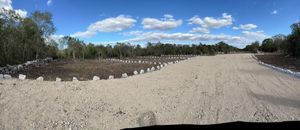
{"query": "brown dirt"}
(82, 69)
(280, 60)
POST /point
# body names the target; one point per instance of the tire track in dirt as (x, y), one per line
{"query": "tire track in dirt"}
(262, 112)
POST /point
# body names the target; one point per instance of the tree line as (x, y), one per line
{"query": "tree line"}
(288, 45)
(77, 49)
(23, 39)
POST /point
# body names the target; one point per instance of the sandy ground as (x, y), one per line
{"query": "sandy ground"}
(203, 90)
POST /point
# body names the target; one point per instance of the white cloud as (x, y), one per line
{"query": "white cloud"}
(235, 28)
(196, 20)
(246, 37)
(22, 13)
(210, 22)
(199, 30)
(260, 31)
(254, 36)
(168, 16)
(274, 12)
(245, 27)
(7, 4)
(166, 23)
(54, 37)
(160, 36)
(248, 26)
(49, 2)
(86, 34)
(133, 33)
(112, 24)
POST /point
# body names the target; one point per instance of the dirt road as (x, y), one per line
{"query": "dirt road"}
(203, 90)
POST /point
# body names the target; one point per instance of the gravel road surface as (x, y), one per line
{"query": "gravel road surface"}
(202, 90)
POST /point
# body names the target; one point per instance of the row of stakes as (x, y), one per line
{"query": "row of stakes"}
(161, 65)
(140, 61)
(168, 56)
(287, 71)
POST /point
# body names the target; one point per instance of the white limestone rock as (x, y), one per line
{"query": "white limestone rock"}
(1, 76)
(40, 78)
(96, 78)
(142, 71)
(6, 76)
(297, 74)
(124, 75)
(152, 68)
(135, 72)
(20, 67)
(74, 79)
(22, 77)
(111, 77)
(58, 79)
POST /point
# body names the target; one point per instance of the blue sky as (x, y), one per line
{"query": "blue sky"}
(237, 22)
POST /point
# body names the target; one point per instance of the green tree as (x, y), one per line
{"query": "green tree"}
(52, 49)
(253, 47)
(294, 40)
(45, 26)
(268, 45)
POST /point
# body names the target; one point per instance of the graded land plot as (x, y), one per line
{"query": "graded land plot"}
(81, 69)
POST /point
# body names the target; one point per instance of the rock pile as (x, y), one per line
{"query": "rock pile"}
(12, 69)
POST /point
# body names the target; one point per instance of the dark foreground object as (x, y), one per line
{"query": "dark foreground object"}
(275, 125)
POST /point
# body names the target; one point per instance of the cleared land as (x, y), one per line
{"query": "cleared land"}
(203, 90)
(83, 70)
(86, 69)
(282, 61)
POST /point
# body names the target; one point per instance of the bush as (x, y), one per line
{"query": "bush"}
(252, 48)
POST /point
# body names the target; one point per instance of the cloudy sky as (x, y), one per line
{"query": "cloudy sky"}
(237, 22)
